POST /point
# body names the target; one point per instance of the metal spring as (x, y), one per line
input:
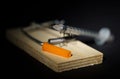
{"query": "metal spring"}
(78, 31)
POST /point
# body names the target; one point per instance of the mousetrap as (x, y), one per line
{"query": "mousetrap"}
(81, 55)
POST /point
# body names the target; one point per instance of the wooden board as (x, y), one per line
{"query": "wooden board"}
(82, 54)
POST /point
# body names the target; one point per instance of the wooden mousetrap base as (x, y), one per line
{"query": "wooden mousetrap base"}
(82, 54)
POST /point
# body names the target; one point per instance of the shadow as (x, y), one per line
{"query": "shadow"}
(87, 40)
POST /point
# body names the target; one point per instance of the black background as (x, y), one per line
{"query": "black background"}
(88, 15)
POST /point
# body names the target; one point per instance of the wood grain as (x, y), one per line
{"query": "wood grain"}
(82, 54)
